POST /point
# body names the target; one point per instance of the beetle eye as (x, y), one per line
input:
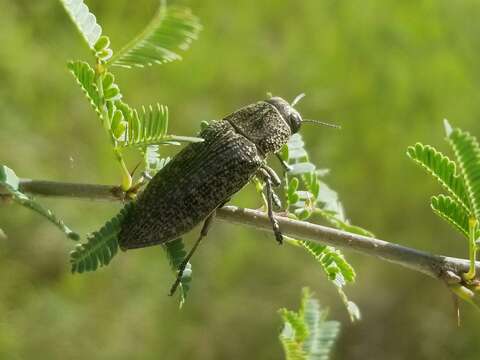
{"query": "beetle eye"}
(295, 121)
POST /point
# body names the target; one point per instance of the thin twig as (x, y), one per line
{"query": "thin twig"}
(440, 267)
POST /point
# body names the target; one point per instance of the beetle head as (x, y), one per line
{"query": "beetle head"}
(269, 123)
(292, 116)
(288, 112)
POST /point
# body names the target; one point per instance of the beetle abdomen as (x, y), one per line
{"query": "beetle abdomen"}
(193, 184)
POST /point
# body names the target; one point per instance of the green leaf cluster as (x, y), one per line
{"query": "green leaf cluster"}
(171, 31)
(176, 252)
(306, 334)
(306, 192)
(101, 245)
(460, 178)
(84, 20)
(308, 195)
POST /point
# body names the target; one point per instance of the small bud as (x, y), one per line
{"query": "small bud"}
(112, 93)
(119, 130)
(293, 185)
(116, 119)
(304, 214)
(102, 43)
(108, 80)
(104, 54)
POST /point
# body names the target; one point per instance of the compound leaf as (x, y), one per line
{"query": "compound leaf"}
(84, 20)
(442, 168)
(467, 153)
(307, 194)
(307, 334)
(172, 29)
(176, 253)
(101, 246)
(152, 159)
(337, 269)
(85, 77)
(149, 127)
(452, 211)
(322, 333)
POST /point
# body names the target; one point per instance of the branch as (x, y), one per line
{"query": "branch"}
(70, 190)
(440, 267)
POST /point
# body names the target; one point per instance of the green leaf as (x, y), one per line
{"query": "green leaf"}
(85, 77)
(322, 334)
(101, 246)
(448, 128)
(293, 334)
(149, 127)
(333, 263)
(84, 20)
(102, 49)
(452, 211)
(152, 159)
(176, 253)
(337, 269)
(10, 181)
(307, 194)
(302, 168)
(307, 334)
(292, 195)
(171, 30)
(313, 196)
(467, 153)
(109, 107)
(442, 168)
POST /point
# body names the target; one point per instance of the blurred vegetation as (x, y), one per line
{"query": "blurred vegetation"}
(306, 333)
(387, 71)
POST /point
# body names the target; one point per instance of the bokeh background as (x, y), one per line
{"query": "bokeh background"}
(387, 71)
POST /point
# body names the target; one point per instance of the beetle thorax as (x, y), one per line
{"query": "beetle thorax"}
(262, 124)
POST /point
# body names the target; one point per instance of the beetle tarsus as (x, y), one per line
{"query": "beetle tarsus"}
(268, 172)
(266, 175)
(272, 175)
(183, 265)
(276, 200)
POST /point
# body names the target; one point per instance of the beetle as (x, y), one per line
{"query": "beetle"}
(203, 176)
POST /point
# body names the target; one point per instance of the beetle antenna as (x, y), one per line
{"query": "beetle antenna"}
(297, 99)
(318, 122)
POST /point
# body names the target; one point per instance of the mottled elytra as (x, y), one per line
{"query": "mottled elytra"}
(203, 176)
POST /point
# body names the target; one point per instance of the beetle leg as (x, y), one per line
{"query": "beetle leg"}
(285, 165)
(275, 226)
(183, 265)
(266, 176)
(276, 200)
(274, 178)
(276, 182)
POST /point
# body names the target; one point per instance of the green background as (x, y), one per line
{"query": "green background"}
(387, 71)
